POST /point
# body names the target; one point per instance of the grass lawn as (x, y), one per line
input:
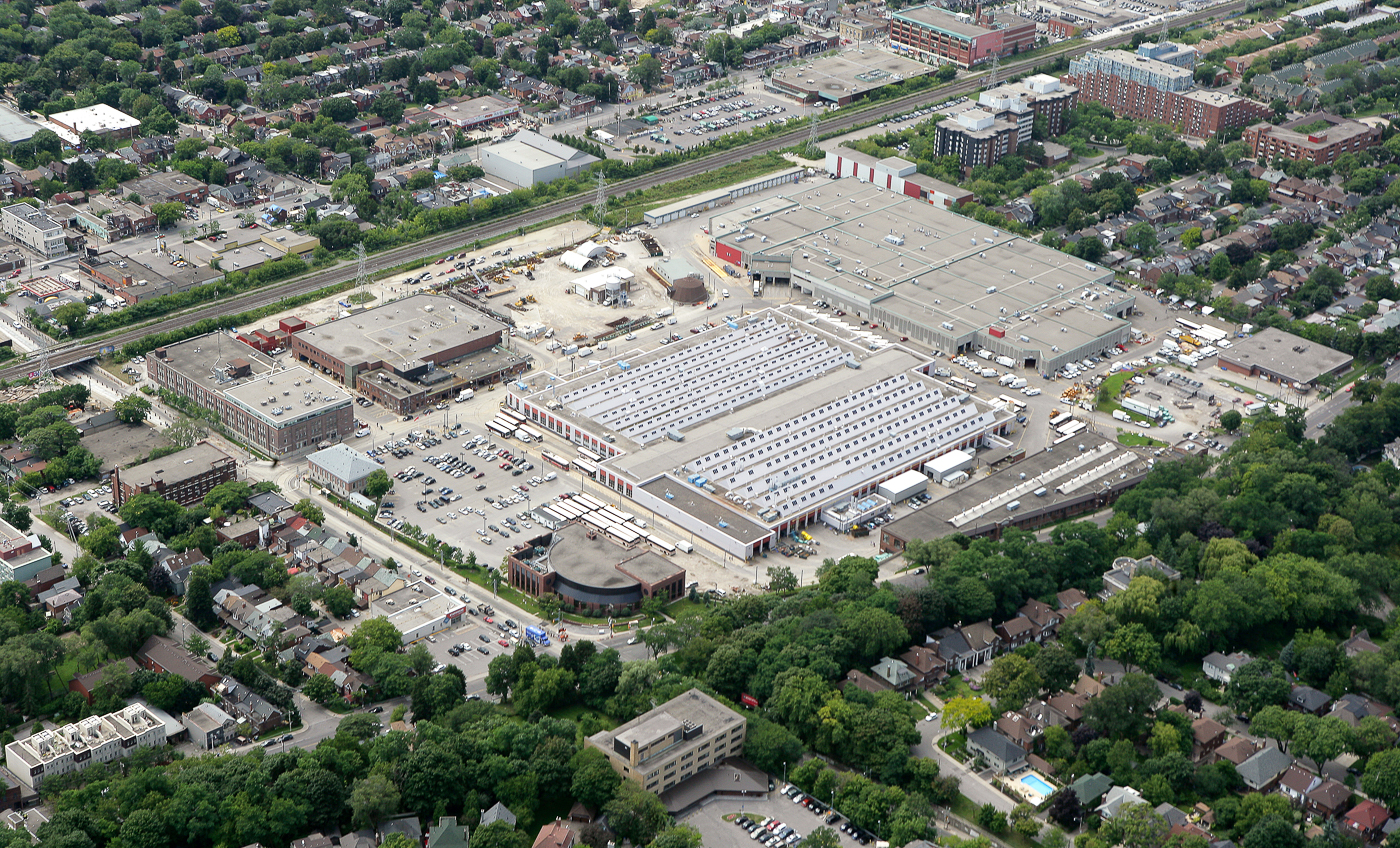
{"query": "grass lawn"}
(1138, 440)
(684, 607)
(961, 806)
(956, 687)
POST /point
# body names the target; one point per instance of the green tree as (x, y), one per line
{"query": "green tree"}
(770, 746)
(636, 814)
(17, 515)
(168, 214)
(1381, 779)
(372, 799)
(1231, 420)
(1136, 826)
(197, 644)
(781, 578)
(319, 688)
(646, 72)
(962, 713)
(1192, 238)
(594, 781)
(339, 601)
(310, 511)
(81, 176)
(1135, 647)
(132, 409)
(1012, 681)
(1056, 667)
(1124, 710)
(377, 484)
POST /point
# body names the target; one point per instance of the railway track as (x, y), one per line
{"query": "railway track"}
(61, 357)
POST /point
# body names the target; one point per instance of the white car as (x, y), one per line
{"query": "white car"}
(1030, 391)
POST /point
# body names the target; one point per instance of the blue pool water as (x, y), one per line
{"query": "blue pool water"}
(1034, 782)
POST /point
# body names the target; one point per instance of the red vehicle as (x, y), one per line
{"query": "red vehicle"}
(440, 261)
(503, 643)
(505, 466)
(478, 475)
(488, 621)
(431, 581)
(524, 488)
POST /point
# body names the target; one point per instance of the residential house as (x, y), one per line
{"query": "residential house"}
(896, 674)
(1222, 667)
(1365, 821)
(1015, 632)
(406, 826)
(1308, 700)
(1124, 569)
(1116, 798)
(448, 833)
(1262, 771)
(927, 665)
(1207, 736)
(248, 706)
(1045, 620)
(556, 834)
(1296, 782)
(1330, 798)
(1071, 600)
(208, 726)
(1023, 730)
(497, 812)
(148, 151)
(1236, 750)
(1000, 753)
(177, 567)
(1091, 788)
(1353, 707)
(1070, 705)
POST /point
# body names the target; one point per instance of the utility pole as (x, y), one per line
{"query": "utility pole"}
(361, 275)
(600, 198)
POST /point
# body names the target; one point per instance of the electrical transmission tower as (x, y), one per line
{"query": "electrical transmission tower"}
(45, 370)
(996, 69)
(812, 135)
(600, 198)
(361, 275)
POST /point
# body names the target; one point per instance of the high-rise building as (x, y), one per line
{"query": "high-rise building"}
(1136, 85)
(1049, 100)
(979, 137)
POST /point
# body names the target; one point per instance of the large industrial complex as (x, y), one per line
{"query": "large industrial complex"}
(748, 431)
(410, 353)
(941, 279)
(277, 408)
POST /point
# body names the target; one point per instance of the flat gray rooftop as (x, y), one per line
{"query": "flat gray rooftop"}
(929, 265)
(593, 562)
(709, 510)
(1284, 354)
(971, 507)
(181, 465)
(850, 73)
(942, 20)
(404, 331)
(296, 390)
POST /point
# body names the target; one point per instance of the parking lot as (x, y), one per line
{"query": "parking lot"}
(778, 810)
(705, 118)
(466, 489)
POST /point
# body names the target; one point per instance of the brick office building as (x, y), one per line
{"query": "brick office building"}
(410, 353)
(589, 569)
(280, 411)
(1139, 86)
(1303, 140)
(931, 34)
(184, 477)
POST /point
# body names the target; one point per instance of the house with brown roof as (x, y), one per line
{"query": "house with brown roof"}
(1366, 820)
(927, 665)
(1015, 632)
(1021, 729)
(1046, 621)
(88, 684)
(1070, 705)
(1236, 750)
(1207, 735)
(1071, 600)
(1297, 782)
(166, 655)
(1329, 798)
(556, 834)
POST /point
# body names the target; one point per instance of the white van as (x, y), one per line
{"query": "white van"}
(551, 477)
(724, 292)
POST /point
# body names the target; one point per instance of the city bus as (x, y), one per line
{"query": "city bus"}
(556, 460)
(499, 430)
(964, 385)
(531, 432)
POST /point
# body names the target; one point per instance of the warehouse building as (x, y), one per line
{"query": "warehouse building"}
(184, 477)
(528, 159)
(100, 119)
(670, 744)
(1076, 477)
(749, 431)
(16, 128)
(410, 353)
(1282, 358)
(948, 281)
(278, 409)
(898, 175)
(708, 200)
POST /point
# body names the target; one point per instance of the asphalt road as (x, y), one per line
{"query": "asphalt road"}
(1320, 415)
(76, 352)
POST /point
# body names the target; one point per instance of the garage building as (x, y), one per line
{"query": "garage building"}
(1282, 357)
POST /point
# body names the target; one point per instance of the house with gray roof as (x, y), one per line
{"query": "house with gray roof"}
(1262, 771)
(1116, 798)
(896, 674)
(498, 812)
(1221, 667)
(1308, 700)
(1000, 753)
(408, 826)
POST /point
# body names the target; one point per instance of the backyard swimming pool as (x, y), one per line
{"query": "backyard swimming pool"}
(1034, 782)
